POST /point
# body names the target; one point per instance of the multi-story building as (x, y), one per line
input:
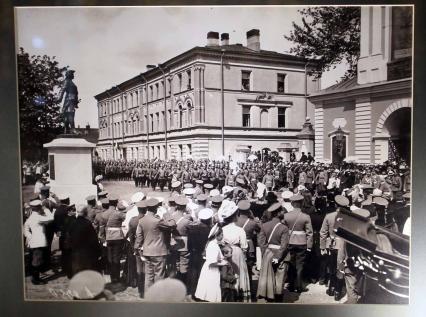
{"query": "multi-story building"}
(218, 100)
(368, 118)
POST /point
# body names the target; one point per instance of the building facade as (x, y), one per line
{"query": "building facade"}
(368, 118)
(174, 110)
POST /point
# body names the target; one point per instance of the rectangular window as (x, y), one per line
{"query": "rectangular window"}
(170, 118)
(245, 80)
(190, 149)
(151, 93)
(189, 79)
(152, 122)
(181, 151)
(281, 117)
(246, 116)
(280, 83)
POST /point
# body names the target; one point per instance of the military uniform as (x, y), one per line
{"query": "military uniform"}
(152, 242)
(300, 241)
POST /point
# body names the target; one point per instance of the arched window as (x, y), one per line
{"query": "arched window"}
(189, 120)
(180, 117)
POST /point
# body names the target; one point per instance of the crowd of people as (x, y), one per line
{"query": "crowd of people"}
(222, 224)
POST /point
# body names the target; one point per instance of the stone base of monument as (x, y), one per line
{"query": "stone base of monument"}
(70, 167)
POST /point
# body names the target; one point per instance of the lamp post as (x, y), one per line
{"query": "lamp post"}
(147, 114)
(122, 120)
(165, 105)
(222, 101)
(112, 123)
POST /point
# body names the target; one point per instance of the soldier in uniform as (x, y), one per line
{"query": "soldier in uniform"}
(180, 249)
(251, 228)
(330, 244)
(152, 242)
(215, 203)
(92, 208)
(131, 235)
(62, 221)
(36, 239)
(115, 240)
(273, 241)
(300, 242)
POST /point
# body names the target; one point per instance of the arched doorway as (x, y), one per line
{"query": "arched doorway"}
(392, 139)
(398, 127)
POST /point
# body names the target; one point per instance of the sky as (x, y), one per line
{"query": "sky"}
(108, 45)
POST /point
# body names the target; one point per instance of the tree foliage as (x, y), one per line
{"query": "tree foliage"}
(329, 34)
(39, 79)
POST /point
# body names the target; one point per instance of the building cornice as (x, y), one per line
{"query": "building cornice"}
(196, 54)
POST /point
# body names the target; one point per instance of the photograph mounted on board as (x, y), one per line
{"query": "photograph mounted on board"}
(209, 161)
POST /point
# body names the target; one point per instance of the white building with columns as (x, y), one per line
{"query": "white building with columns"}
(368, 118)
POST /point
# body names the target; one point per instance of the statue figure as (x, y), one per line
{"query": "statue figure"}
(71, 101)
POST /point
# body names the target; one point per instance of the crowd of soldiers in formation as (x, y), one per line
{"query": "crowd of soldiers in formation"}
(220, 226)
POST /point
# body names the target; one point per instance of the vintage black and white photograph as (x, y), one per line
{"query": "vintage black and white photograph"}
(220, 154)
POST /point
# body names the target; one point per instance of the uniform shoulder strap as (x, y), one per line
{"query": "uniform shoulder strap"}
(245, 223)
(273, 230)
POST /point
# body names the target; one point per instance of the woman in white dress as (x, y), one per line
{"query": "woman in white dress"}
(236, 237)
(208, 287)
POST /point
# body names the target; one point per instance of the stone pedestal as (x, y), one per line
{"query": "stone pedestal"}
(306, 138)
(70, 167)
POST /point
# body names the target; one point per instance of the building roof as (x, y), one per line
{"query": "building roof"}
(232, 51)
(340, 86)
(350, 89)
(89, 134)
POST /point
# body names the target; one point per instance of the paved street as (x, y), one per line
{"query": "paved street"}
(56, 289)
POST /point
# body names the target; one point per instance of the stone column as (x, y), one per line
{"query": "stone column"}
(363, 131)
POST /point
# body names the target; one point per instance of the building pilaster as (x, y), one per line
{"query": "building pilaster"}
(363, 131)
(319, 132)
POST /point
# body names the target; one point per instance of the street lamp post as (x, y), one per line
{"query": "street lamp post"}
(112, 123)
(165, 106)
(147, 115)
(122, 119)
(222, 101)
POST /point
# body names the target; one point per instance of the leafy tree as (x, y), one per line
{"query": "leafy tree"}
(330, 35)
(39, 79)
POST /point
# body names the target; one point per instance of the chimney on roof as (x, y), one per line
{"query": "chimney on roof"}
(224, 39)
(212, 38)
(253, 40)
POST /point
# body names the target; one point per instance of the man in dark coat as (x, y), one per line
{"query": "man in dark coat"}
(85, 248)
(62, 220)
(198, 233)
